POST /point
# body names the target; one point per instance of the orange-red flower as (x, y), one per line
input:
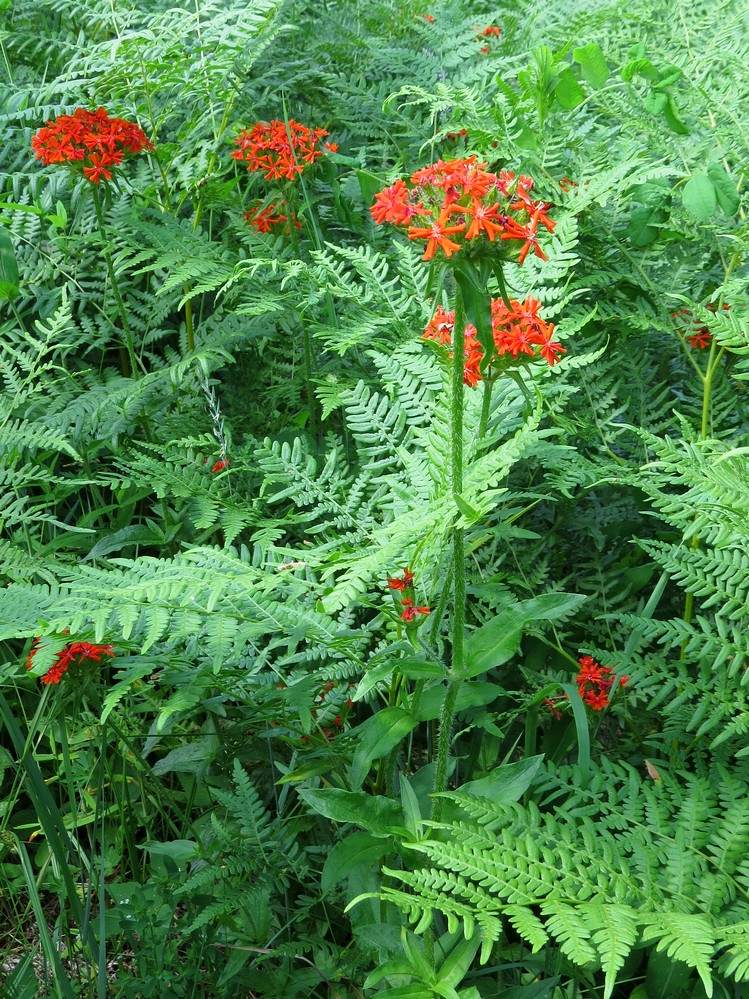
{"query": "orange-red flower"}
(516, 331)
(437, 235)
(483, 219)
(279, 150)
(73, 653)
(262, 218)
(393, 204)
(410, 611)
(594, 682)
(514, 230)
(90, 140)
(401, 584)
(492, 205)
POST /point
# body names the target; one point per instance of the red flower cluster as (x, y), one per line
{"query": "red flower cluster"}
(595, 681)
(91, 140)
(221, 464)
(280, 150)
(491, 32)
(698, 336)
(406, 584)
(459, 198)
(402, 584)
(517, 331)
(262, 219)
(75, 652)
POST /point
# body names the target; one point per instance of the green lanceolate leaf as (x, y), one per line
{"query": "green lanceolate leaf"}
(8, 267)
(379, 816)
(725, 189)
(356, 849)
(699, 197)
(593, 64)
(498, 640)
(376, 737)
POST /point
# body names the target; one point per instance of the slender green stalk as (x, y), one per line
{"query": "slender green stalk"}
(486, 405)
(131, 359)
(458, 561)
(716, 353)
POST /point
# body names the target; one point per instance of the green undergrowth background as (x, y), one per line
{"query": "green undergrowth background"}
(238, 803)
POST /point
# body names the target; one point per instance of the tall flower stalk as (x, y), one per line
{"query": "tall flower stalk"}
(95, 145)
(282, 150)
(472, 220)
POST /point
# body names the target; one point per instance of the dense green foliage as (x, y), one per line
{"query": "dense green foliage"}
(218, 443)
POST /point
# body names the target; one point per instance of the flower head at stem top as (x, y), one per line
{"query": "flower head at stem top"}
(280, 150)
(492, 206)
(92, 142)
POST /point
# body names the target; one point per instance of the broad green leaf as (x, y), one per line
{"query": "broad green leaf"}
(581, 727)
(640, 67)
(494, 643)
(725, 189)
(373, 676)
(655, 102)
(568, 91)
(376, 737)
(354, 850)
(699, 197)
(477, 303)
(455, 967)
(593, 64)
(411, 809)
(470, 514)
(369, 185)
(474, 694)
(499, 639)
(665, 977)
(645, 224)
(674, 119)
(379, 816)
(8, 267)
(550, 606)
(506, 784)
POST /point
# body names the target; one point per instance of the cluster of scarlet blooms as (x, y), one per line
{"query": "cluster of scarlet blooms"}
(74, 653)
(700, 336)
(454, 202)
(263, 219)
(91, 141)
(517, 331)
(406, 585)
(594, 683)
(279, 150)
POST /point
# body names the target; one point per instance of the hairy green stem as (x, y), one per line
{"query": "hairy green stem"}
(132, 361)
(458, 561)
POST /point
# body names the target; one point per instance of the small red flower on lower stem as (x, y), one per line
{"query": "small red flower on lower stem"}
(221, 464)
(74, 652)
(701, 339)
(410, 611)
(401, 584)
